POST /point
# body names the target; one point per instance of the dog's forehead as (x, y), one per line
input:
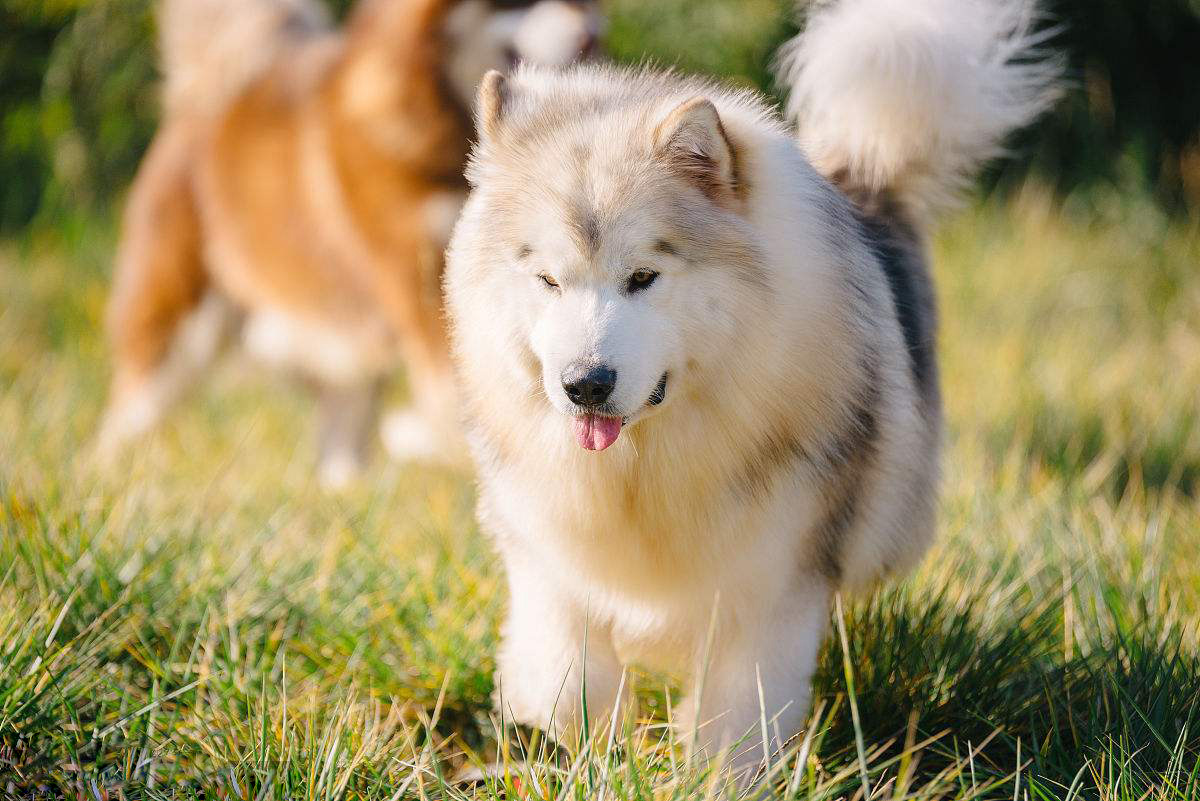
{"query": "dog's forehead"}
(574, 163)
(593, 200)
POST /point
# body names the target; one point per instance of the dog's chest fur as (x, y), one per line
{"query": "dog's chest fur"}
(648, 533)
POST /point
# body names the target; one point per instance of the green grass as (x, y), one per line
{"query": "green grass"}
(203, 622)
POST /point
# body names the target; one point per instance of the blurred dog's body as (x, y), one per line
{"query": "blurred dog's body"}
(300, 192)
(742, 327)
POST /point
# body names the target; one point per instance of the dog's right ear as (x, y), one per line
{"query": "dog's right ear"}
(693, 140)
(489, 105)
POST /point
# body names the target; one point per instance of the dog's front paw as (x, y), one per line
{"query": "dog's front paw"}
(534, 691)
(340, 471)
(408, 437)
(556, 692)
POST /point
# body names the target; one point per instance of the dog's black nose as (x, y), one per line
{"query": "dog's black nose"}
(588, 384)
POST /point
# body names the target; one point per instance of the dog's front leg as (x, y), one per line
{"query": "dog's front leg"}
(553, 659)
(348, 414)
(758, 667)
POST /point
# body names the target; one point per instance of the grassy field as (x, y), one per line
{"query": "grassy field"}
(204, 622)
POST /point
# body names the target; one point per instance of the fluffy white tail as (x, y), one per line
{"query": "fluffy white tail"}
(212, 48)
(911, 97)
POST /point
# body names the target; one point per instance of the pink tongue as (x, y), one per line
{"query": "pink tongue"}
(596, 433)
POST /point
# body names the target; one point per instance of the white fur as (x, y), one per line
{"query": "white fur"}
(441, 211)
(554, 32)
(339, 471)
(331, 355)
(916, 94)
(549, 33)
(408, 436)
(211, 49)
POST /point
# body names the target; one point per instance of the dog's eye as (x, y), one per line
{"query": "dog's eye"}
(548, 281)
(642, 279)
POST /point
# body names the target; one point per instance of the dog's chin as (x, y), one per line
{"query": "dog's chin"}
(654, 402)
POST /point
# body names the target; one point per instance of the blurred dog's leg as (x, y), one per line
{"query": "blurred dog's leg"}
(165, 321)
(348, 418)
(428, 430)
(141, 395)
(408, 436)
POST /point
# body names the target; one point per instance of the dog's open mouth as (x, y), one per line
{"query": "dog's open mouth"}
(595, 432)
(660, 392)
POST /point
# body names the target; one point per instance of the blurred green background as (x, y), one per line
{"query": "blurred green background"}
(78, 100)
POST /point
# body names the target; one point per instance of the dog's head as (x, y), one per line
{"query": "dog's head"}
(609, 262)
(499, 34)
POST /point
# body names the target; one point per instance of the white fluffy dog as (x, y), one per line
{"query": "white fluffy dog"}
(697, 349)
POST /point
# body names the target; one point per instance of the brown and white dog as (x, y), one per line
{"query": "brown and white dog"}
(300, 192)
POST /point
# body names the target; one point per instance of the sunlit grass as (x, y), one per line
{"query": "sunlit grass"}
(204, 622)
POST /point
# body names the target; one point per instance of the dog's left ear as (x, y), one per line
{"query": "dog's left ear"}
(693, 140)
(489, 105)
